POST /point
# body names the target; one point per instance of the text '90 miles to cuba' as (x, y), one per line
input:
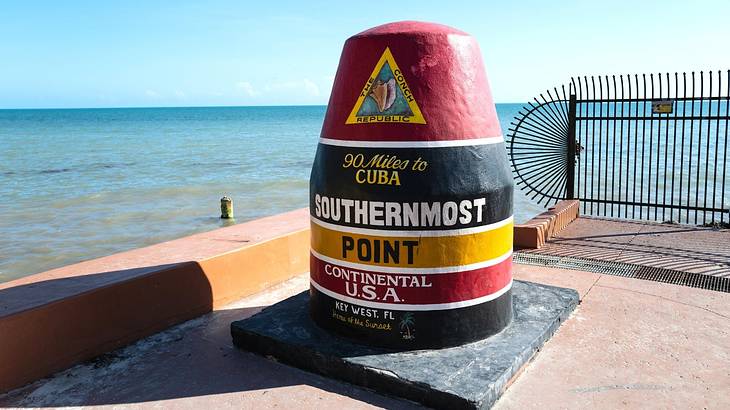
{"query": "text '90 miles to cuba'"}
(381, 169)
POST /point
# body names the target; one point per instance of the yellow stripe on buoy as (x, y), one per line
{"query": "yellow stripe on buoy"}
(412, 252)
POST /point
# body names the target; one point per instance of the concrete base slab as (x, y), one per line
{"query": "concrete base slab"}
(469, 376)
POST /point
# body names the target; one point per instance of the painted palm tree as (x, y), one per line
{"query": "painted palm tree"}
(406, 322)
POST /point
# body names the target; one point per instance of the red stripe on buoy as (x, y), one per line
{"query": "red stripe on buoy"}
(444, 72)
(412, 288)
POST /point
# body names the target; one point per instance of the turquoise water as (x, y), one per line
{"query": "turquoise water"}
(79, 184)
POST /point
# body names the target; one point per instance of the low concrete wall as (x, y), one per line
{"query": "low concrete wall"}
(58, 318)
(534, 233)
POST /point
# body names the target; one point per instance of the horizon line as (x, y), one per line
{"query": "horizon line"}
(183, 106)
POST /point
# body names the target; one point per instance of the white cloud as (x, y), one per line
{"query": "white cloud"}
(311, 88)
(306, 85)
(152, 94)
(180, 94)
(247, 88)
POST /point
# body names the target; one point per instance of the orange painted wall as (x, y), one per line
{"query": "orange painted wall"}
(55, 319)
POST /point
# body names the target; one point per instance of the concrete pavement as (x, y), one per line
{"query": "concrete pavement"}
(631, 343)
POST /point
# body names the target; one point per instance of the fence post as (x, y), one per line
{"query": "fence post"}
(570, 160)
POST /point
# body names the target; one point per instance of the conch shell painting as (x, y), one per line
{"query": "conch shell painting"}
(383, 93)
(385, 97)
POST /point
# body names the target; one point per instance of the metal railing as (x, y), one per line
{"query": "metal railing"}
(629, 146)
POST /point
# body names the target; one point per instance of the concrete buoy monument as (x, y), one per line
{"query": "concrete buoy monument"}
(411, 289)
(411, 194)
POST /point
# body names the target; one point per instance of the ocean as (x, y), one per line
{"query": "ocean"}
(76, 184)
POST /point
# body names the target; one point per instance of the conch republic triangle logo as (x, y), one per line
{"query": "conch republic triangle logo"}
(386, 96)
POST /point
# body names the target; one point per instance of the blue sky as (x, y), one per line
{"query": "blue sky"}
(184, 53)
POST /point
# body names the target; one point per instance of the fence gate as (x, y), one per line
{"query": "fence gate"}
(629, 146)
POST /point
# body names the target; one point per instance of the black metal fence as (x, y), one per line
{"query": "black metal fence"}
(629, 146)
